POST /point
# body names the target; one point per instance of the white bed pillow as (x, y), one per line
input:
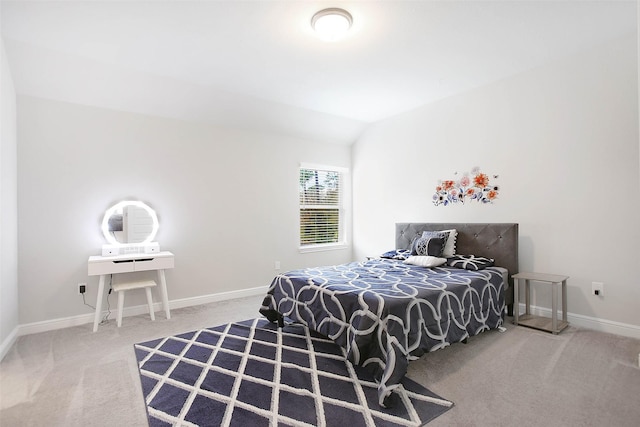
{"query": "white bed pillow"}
(450, 242)
(425, 261)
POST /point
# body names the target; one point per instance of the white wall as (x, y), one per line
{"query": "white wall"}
(563, 138)
(226, 201)
(9, 208)
(564, 141)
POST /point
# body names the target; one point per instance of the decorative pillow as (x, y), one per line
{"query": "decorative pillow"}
(450, 245)
(450, 240)
(442, 234)
(469, 262)
(400, 254)
(428, 246)
(425, 261)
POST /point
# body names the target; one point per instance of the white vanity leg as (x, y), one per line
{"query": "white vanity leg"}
(163, 293)
(96, 319)
(120, 307)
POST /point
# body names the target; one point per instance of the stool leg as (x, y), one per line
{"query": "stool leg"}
(150, 303)
(120, 306)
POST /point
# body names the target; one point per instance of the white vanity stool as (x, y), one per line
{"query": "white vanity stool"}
(121, 288)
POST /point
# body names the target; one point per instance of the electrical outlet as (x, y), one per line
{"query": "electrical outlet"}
(82, 288)
(277, 265)
(597, 289)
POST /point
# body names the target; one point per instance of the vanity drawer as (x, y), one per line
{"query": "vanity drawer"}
(155, 263)
(97, 268)
(99, 265)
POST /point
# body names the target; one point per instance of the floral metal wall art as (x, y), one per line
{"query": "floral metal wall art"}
(475, 186)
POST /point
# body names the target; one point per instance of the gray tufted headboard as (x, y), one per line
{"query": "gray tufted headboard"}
(495, 240)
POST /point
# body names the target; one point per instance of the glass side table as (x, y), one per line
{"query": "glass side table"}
(552, 324)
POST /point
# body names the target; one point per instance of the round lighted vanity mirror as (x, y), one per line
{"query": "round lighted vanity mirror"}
(130, 222)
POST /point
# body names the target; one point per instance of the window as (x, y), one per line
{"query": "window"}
(321, 207)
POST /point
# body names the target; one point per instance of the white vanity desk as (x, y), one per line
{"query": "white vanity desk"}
(104, 265)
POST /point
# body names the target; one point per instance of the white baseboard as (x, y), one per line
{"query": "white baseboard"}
(8, 342)
(66, 322)
(602, 325)
(221, 296)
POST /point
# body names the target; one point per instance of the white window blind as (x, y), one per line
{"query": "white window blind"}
(321, 206)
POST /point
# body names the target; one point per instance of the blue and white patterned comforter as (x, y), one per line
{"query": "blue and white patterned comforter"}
(385, 313)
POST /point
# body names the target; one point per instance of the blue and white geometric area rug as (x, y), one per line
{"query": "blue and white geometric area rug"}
(251, 374)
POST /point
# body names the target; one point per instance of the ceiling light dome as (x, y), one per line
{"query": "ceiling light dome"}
(331, 24)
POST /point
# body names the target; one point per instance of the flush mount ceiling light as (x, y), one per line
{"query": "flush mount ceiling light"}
(331, 24)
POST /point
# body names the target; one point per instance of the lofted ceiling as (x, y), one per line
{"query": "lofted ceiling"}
(257, 65)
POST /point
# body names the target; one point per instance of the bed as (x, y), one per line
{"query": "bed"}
(385, 312)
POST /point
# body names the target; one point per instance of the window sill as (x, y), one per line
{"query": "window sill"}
(324, 247)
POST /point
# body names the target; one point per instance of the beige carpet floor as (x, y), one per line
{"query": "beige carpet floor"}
(521, 377)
